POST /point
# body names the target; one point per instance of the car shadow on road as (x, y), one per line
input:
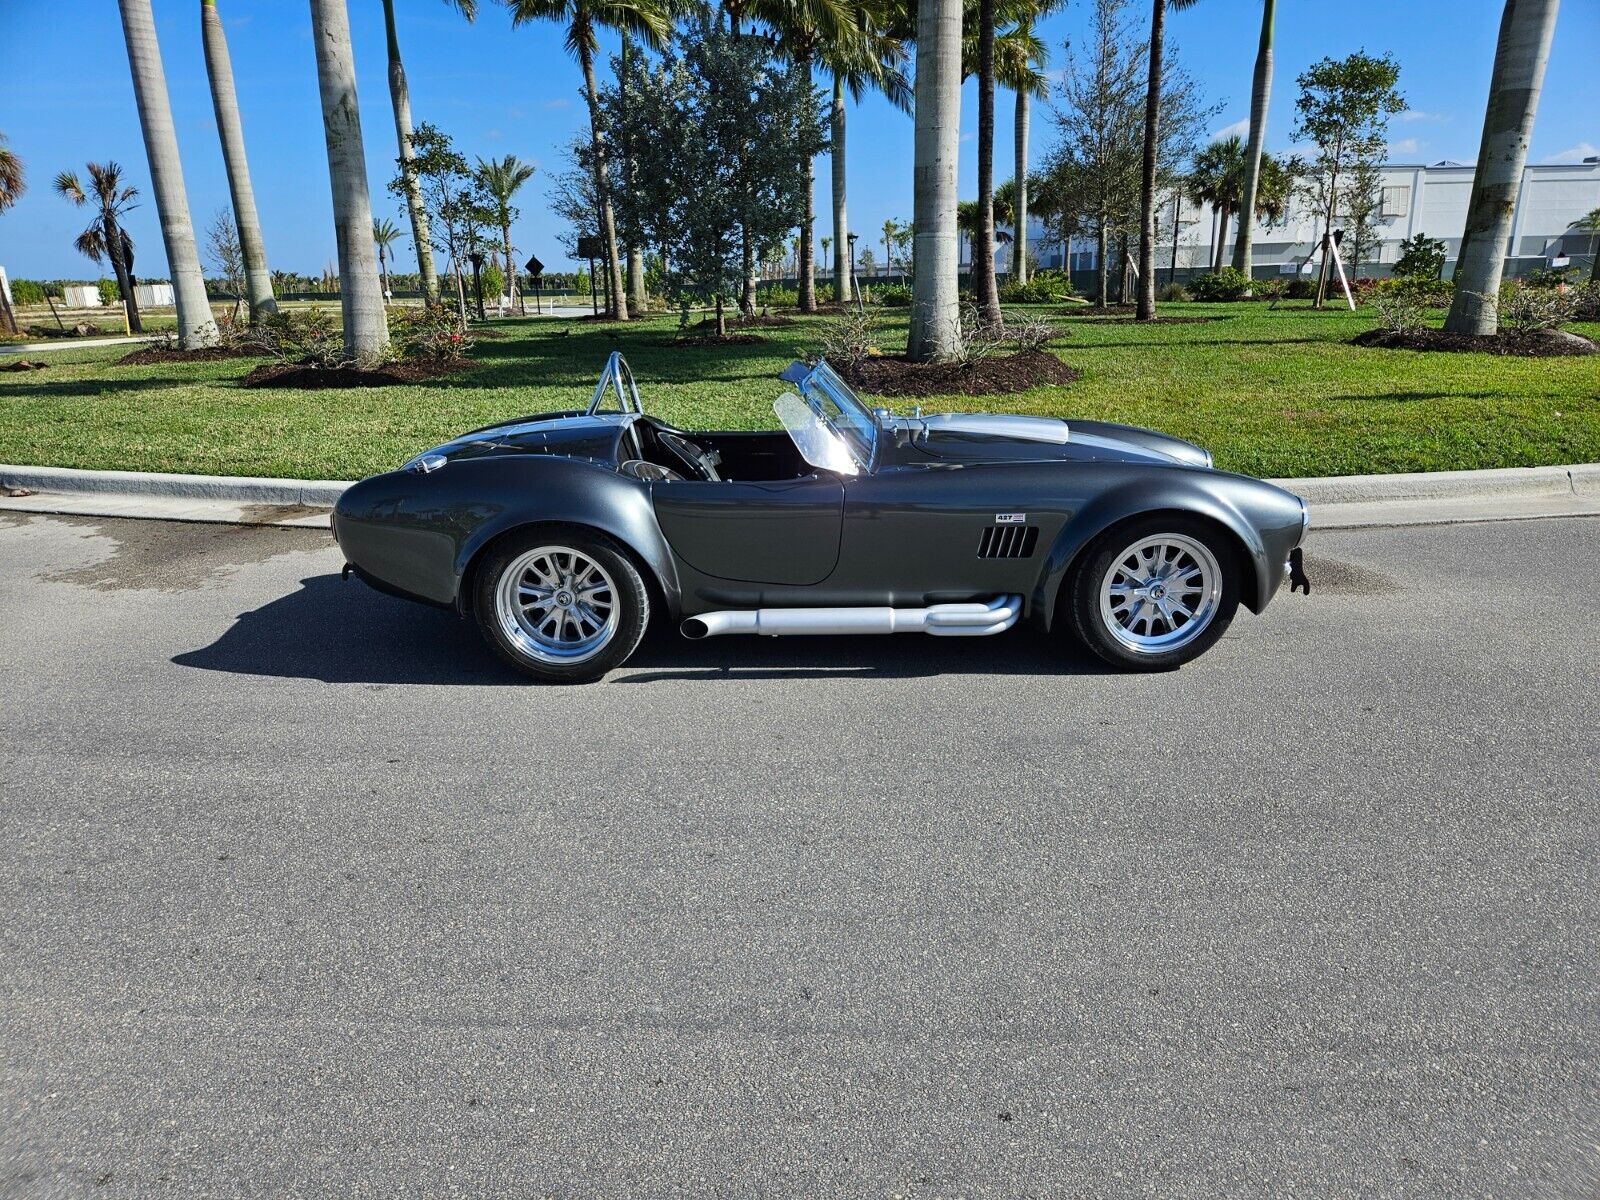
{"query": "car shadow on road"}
(344, 632)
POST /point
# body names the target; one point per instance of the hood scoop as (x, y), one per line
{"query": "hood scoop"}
(981, 427)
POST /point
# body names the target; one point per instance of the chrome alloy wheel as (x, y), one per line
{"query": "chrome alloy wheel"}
(557, 605)
(1161, 593)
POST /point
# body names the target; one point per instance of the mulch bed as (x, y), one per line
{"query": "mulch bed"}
(150, 355)
(760, 320)
(302, 375)
(710, 339)
(1547, 343)
(996, 376)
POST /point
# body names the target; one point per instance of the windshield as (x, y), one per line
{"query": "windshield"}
(835, 407)
(818, 444)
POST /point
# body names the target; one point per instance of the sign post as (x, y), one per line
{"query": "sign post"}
(535, 270)
(592, 248)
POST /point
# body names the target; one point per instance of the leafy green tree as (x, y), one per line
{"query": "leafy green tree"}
(1343, 110)
(1363, 202)
(1421, 257)
(452, 201)
(723, 131)
(648, 20)
(105, 239)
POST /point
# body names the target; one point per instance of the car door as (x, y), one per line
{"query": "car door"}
(783, 531)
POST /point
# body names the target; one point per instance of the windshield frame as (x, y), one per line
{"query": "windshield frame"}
(856, 427)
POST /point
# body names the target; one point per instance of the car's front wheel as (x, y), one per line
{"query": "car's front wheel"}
(1155, 593)
(563, 604)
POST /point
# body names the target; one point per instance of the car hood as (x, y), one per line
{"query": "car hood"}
(996, 437)
(567, 435)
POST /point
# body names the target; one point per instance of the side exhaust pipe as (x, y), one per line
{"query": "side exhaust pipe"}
(970, 619)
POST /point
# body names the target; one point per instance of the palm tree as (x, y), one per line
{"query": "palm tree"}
(385, 233)
(935, 309)
(106, 239)
(219, 67)
(1145, 307)
(366, 326)
(648, 20)
(196, 326)
(1588, 223)
(1028, 82)
(13, 182)
(889, 230)
(500, 179)
(983, 277)
(1260, 94)
(1217, 178)
(400, 99)
(1526, 27)
(873, 58)
(1020, 58)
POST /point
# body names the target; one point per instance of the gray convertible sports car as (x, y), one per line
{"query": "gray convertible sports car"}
(562, 534)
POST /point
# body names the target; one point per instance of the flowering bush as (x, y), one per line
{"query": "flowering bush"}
(428, 333)
(308, 337)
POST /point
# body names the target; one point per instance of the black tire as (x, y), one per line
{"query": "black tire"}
(531, 555)
(1118, 550)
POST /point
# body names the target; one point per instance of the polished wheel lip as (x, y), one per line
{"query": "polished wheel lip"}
(1160, 593)
(557, 605)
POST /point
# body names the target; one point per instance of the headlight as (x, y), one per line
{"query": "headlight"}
(422, 464)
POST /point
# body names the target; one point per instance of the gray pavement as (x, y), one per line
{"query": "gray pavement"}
(305, 895)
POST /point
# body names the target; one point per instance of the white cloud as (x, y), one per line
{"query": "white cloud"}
(1240, 129)
(1405, 146)
(1575, 154)
(558, 102)
(1416, 114)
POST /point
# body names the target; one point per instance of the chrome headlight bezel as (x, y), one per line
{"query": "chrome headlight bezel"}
(426, 464)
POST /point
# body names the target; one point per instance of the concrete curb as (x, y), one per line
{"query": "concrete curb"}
(1349, 501)
(237, 489)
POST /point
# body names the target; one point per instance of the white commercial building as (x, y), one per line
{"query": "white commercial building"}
(1416, 198)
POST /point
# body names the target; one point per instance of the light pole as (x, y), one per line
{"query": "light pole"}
(855, 284)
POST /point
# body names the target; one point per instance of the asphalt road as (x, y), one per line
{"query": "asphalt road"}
(304, 895)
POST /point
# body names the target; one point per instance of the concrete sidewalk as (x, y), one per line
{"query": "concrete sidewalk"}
(1337, 502)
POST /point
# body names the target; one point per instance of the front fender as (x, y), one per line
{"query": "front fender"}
(420, 533)
(1264, 522)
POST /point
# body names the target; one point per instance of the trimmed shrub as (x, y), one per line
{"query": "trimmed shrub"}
(1174, 292)
(777, 296)
(1402, 304)
(1045, 287)
(1529, 308)
(1226, 284)
(892, 295)
(110, 293)
(1300, 288)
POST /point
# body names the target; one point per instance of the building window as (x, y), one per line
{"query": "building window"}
(1396, 200)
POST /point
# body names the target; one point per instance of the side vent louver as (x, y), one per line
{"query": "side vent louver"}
(1008, 541)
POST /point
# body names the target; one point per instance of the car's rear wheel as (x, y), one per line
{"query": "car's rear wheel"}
(563, 604)
(1155, 593)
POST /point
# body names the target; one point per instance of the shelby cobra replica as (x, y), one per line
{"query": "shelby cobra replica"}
(561, 534)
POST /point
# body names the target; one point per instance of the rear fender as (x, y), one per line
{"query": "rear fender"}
(531, 490)
(1135, 500)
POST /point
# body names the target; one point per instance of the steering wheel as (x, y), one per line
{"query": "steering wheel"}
(700, 463)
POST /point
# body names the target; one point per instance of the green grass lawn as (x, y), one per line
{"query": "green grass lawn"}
(1269, 392)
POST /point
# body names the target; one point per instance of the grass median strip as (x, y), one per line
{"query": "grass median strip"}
(1270, 392)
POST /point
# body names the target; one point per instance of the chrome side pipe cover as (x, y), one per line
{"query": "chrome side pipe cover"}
(967, 619)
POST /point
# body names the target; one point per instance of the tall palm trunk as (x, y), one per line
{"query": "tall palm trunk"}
(1145, 310)
(1260, 94)
(115, 251)
(196, 327)
(1019, 241)
(257, 279)
(636, 293)
(617, 308)
(935, 313)
(383, 272)
(400, 98)
(1224, 215)
(366, 327)
(1526, 28)
(841, 222)
(511, 267)
(984, 282)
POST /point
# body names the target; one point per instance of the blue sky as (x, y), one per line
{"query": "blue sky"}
(67, 100)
